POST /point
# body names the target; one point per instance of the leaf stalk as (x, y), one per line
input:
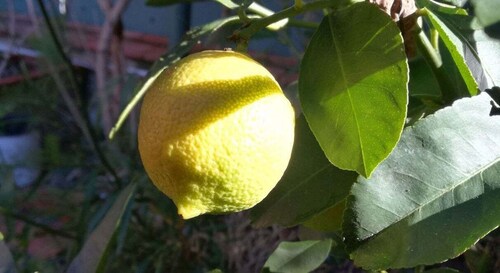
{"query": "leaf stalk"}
(243, 35)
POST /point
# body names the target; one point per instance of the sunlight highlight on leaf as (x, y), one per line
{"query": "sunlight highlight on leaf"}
(436, 194)
(353, 87)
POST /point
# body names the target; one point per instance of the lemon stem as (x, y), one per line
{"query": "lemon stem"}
(433, 59)
(243, 15)
(242, 47)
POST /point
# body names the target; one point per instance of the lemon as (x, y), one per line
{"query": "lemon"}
(215, 133)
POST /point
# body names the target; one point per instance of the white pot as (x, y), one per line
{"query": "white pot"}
(21, 155)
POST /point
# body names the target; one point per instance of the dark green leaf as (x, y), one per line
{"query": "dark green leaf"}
(494, 94)
(91, 257)
(482, 53)
(298, 257)
(423, 83)
(436, 194)
(456, 47)
(495, 103)
(353, 86)
(493, 31)
(310, 178)
(425, 92)
(7, 264)
(487, 11)
(329, 220)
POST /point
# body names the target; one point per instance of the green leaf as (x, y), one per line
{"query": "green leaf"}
(329, 220)
(458, 3)
(422, 83)
(436, 194)
(187, 43)
(485, 50)
(7, 264)
(298, 257)
(436, 6)
(92, 256)
(310, 178)
(456, 48)
(486, 11)
(353, 86)
(488, 50)
(425, 92)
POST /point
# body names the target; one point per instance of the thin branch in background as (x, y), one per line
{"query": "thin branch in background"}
(55, 39)
(67, 98)
(113, 14)
(27, 220)
(77, 113)
(117, 69)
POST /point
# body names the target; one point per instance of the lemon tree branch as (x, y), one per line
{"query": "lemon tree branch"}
(243, 35)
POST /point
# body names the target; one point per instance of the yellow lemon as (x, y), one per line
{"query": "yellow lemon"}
(215, 133)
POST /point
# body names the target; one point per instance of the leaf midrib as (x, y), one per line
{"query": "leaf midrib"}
(444, 191)
(344, 78)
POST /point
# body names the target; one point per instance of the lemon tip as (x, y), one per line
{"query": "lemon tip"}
(188, 212)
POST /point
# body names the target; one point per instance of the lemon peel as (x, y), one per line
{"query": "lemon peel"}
(215, 133)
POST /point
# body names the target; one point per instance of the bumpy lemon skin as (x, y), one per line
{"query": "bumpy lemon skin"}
(215, 133)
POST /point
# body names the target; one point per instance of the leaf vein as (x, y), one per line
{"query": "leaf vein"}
(344, 77)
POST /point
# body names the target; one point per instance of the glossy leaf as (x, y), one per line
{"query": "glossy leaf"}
(436, 194)
(353, 86)
(488, 50)
(456, 48)
(485, 50)
(310, 178)
(7, 264)
(458, 3)
(91, 257)
(298, 257)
